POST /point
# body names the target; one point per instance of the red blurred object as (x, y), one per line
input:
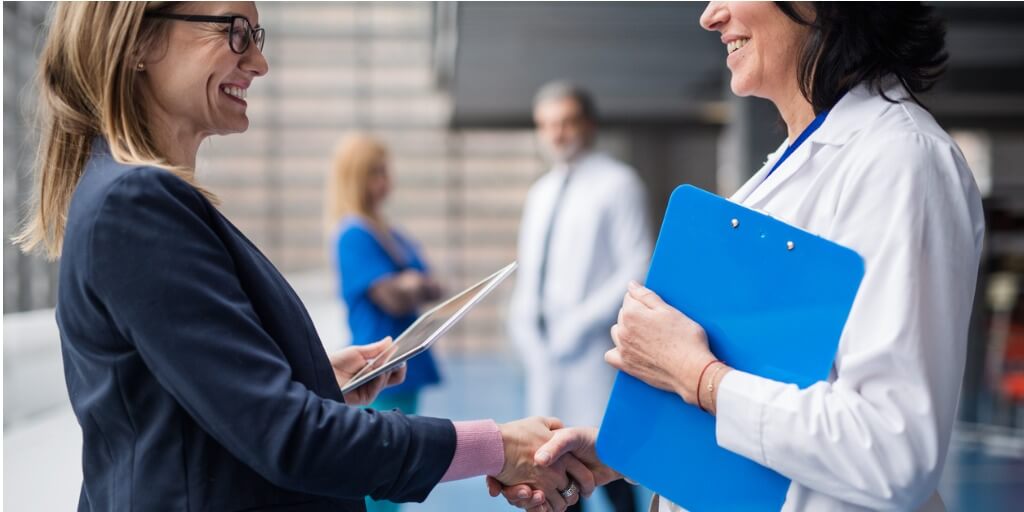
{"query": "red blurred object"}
(1013, 386)
(1013, 380)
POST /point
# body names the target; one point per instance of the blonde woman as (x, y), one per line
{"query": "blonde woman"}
(194, 370)
(384, 278)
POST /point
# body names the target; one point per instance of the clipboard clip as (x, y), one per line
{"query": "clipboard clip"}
(790, 245)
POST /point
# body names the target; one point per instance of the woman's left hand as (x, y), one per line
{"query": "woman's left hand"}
(658, 344)
(348, 361)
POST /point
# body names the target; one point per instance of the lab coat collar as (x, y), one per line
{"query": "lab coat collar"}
(757, 179)
(857, 109)
(580, 161)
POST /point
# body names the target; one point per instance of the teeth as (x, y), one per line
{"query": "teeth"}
(237, 92)
(736, 45)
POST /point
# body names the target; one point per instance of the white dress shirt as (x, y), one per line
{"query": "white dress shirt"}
(886, 181)
(600, 240)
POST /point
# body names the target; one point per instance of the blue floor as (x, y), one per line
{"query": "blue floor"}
(976, 478)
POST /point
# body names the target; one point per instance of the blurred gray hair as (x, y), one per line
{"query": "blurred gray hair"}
(562, 89)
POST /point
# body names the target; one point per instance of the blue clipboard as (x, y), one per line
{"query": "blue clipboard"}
(773, 300)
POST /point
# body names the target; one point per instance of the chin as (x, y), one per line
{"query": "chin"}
(740, 86)
(236, 127)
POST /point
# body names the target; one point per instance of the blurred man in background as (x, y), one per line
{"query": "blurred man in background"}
(584, 234)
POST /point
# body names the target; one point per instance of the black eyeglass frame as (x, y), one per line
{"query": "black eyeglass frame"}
(257, 35)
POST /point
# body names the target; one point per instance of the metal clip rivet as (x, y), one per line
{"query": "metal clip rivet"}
(790, 246)
(735, 223)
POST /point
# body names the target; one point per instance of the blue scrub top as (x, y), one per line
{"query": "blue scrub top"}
(362, 260)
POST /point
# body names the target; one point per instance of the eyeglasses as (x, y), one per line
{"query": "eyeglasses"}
(239, 35)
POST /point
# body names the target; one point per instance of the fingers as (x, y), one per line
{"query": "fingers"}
(371, 389)
(543, 507)
(552, 423)
(538, 499)
(522, 496)
(397, 376)
(645, 296)
(493, 487)
(582, 475)
(616, 332)
(614, 358)
(562, 442)
(557, 502)
(372, 350)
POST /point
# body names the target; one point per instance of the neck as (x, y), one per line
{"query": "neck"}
(576, 157)
(373, 215)
(796, 112)
(176, 143)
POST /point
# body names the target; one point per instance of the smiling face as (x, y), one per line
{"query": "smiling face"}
(193, 81)
(763, 47)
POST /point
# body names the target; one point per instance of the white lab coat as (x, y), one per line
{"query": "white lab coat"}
(600, 240)
(885, 180)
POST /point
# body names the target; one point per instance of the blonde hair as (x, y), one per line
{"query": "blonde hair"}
(355, 159)
(88, 87)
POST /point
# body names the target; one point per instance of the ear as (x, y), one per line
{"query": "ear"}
(589, 132)
(151, 46)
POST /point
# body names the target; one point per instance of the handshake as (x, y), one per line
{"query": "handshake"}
(548, 467)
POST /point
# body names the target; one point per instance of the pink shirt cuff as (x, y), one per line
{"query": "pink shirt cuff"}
(479, 450)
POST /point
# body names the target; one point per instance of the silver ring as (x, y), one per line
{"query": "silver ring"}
(571, 491)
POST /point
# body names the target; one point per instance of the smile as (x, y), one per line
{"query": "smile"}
(736, 45)
(234, 92)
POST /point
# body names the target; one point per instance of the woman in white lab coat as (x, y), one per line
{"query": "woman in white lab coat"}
(866, 166)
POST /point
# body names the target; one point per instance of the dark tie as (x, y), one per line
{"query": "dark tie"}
(541, 322)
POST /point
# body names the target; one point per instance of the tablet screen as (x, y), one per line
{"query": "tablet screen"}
(428, 327)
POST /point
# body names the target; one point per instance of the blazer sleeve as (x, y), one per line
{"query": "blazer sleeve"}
(171, 288)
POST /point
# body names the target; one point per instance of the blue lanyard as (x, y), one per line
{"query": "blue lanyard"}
(820, 118)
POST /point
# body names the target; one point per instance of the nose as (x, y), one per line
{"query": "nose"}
(560, 132)
(254, 62)
(715, 15)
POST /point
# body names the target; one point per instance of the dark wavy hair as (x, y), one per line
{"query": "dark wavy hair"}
(865, 42)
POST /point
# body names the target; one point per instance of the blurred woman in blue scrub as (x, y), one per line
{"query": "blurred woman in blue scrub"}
(384, 279)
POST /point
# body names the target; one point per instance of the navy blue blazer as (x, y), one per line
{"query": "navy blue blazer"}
(196, 374)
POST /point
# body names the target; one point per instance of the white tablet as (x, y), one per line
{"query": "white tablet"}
(428, 328)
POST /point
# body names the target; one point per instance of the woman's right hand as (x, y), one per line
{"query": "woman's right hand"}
(659, 345)
(578, 442)
(522, 439)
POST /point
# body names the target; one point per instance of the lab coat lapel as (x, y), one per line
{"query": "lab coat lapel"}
(857, 108)
(791, 166)
(741, 195)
